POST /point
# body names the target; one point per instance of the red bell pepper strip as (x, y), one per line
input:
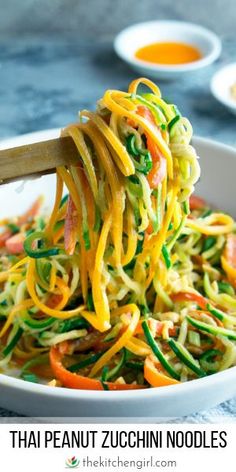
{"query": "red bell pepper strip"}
(71, 227)
(158, 171)
(14, 244)
(4, 236)
(196, 203)
(190, 297)
(76, 381)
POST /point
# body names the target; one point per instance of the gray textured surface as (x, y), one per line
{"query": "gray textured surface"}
(90, 18)
(43, 82)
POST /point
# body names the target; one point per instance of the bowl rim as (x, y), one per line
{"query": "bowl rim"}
(210, 36)
(228, 102)
(101, 396)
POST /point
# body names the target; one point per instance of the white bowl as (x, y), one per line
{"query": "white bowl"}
(221, 83)
(217, 185)
(132, 38)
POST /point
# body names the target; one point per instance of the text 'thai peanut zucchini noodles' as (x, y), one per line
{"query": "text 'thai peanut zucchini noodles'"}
(130, 282)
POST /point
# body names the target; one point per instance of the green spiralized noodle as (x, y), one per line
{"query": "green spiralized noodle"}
(224, 300)
(186, 156)
(52, 338)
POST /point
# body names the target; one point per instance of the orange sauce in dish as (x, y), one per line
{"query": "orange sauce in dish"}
(168, 53)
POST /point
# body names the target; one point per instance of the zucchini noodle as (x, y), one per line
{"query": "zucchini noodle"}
(130, 282)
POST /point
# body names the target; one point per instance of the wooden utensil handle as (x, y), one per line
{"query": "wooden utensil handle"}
(37, 159)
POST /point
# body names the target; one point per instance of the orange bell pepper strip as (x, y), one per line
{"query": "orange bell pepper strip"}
(154, 376)
(228, 258)
(71, 227)
(76, 381)
(230, 249)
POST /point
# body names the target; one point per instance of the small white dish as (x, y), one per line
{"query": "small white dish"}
(221, 83)
(141, 34)
(173, 401)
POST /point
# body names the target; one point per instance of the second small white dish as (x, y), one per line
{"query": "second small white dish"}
(220, 86)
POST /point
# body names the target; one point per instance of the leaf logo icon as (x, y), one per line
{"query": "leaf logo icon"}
(72, 463)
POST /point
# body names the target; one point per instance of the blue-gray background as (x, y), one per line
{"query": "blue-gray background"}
(56, 57)
(93, 18)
